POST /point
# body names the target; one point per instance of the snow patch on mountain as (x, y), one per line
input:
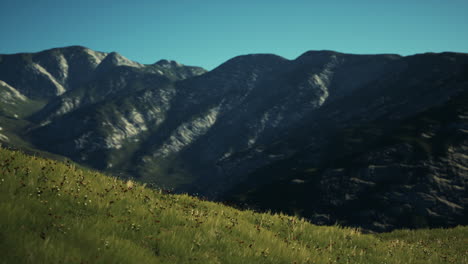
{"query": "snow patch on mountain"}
(125, 127)
(319, 83)
(116, 59)
(311, 94)
(160, 99)
(271, 118)
(63, 66)
(9, 94)
(188, 132)
(59, 88)
(44, 123)
(95, 56)
(68, 104)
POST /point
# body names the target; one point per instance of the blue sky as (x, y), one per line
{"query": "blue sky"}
(207, 32)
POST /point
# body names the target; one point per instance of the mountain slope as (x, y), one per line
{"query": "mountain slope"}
(92, 86)
(49, 73)
(381, 175)
(54, 213)
(255, 120)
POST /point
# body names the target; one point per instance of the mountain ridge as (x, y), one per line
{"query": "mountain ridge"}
(187, 129)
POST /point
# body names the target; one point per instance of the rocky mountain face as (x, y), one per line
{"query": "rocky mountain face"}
(376, 141)
(380, 175)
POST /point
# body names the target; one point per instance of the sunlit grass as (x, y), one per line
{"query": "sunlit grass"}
(55, 213)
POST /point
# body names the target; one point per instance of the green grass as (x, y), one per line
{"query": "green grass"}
(53, 212)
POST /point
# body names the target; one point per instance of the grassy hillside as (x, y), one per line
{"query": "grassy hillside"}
(52, 212)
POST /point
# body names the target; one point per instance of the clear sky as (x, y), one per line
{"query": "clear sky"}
(208, 32)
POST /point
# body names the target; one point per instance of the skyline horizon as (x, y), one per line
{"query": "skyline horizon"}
(208, 32)
(227, 59)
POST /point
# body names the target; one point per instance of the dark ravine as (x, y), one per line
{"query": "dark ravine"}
(376, 141)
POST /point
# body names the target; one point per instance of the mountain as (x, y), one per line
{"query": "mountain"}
(375, 141)
(76, 79)
(54, 212)
(383, 175)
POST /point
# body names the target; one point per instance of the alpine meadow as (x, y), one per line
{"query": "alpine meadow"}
(54, 212)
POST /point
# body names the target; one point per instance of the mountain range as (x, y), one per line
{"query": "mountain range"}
(375, 141)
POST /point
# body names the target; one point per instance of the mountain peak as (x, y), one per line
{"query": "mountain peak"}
(74, 48)
(317, 54)
(252, 61)
(168, 63)
(258, 57)
(114, 59)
